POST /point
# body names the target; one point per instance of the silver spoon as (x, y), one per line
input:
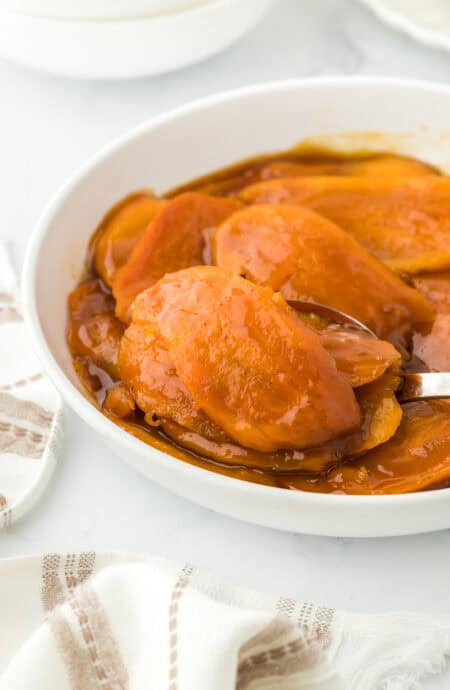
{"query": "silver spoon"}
(414, 386)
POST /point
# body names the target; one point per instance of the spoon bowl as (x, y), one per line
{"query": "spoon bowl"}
(414, 386)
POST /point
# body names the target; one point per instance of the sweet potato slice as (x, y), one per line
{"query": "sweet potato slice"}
(119, 401)
(93, 331)
(119, 232)
(305, 256)
(436, 288)
(417, 457)
(228, 453)
(405, 222)
(379, 166)
(190, 428)
(246, 359)
(146, 368)
(433, 348)
(229, 182)
(178, 237)
(358, 356)
(381, 415)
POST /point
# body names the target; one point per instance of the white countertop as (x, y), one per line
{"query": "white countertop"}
(50, 126)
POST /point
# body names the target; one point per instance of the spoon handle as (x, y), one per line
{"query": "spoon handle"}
(414, 386)
(422, 386)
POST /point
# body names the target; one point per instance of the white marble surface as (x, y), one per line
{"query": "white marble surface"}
(48, 127)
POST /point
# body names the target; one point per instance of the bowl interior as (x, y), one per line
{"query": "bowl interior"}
(345, 114)
(196, 140)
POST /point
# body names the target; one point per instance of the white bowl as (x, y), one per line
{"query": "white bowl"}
(97, 9)
(427, 22)
(127, 48)
(191, 141)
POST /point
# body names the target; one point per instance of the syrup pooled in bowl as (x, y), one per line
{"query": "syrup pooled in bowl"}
(180, 331)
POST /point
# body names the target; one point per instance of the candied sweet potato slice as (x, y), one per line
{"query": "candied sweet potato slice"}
(119, 232)
(436, 288)
(248, 362)
(94, 331)
(305, 256)
(384, 165)
(405, 222)
(433, 348)
(178, 237)
(417, 457)
(358, 356)
(231, 181)
(119, 401)
(227, 452)
(146, 367)
(372, 166)
(381, 415)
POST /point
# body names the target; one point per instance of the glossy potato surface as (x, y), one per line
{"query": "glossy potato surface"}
(120, 231)
(178, 237)
(433, 347)
(405, 222)
(209, 363)
(248, 362)
(94, 332)
(307, 257)
(417, 457)
(314, 163)
(358, 356)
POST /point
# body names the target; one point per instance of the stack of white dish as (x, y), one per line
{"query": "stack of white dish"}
(428, 22)
(117, 39)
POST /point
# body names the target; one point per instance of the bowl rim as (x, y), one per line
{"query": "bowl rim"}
(125, 20)
(93, 416)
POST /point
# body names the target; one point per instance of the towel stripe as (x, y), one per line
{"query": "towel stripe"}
(81, 628)
(278, 651)
(174, 608)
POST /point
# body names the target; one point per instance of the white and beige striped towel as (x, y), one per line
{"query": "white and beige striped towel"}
(29, 410)
(125, 622)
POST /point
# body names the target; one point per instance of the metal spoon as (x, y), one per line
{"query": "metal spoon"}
(414, 386)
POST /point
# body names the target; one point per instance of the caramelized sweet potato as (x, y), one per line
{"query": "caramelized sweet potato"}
(146, 367)
(225, 374)
(381, 415)
(119, 232)
(433, 348)
(231, 181)
(178, 237)
(417, 457)
(380, 166)
(228, 453)
(119, 401)
(246, 359)
(358, 356)
(405, 222)
(307, 257)
(93, 331)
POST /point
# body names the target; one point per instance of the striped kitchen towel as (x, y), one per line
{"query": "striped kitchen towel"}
(29, 409)
(127, 622)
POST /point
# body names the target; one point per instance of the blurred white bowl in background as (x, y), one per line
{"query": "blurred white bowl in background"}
(427, 21)
(127, 48)
(97, 9)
